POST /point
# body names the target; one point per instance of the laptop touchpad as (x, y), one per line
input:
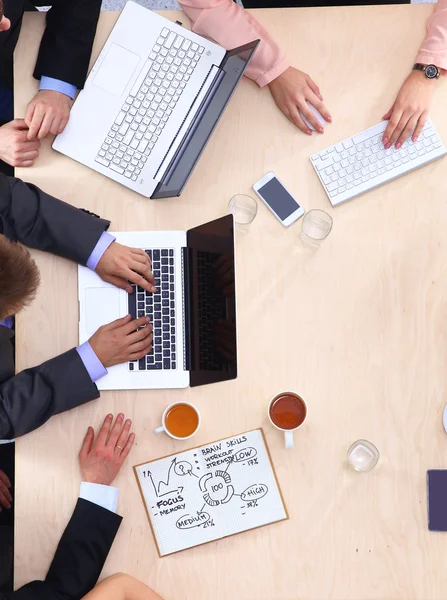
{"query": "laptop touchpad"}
(116, 70)
(102, 306)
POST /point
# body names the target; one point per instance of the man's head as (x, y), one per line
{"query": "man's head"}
(5, 23)
(19, 277)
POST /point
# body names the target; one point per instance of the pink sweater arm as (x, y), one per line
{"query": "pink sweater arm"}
(230, 25)
(434, 47)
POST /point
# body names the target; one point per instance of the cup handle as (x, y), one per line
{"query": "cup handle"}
(159, 429)
(288, 436)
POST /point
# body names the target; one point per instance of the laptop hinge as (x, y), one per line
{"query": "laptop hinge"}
(213, 78)
(186, 290)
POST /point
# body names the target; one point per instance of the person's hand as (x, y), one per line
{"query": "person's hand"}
(15, 147)
(410, 110)
(5, 494)
(101, 459)
(122, 340)
(291, 90)
(120, 264)
(48, 112)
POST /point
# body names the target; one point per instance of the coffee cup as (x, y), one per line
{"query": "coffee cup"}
(180, 421)
(287, 412)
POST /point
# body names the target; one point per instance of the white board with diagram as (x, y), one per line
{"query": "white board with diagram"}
(210, 492)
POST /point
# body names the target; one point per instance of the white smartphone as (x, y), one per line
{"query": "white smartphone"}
(276, 197)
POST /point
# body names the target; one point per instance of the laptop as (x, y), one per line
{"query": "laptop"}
(151, 102)
(193, 312)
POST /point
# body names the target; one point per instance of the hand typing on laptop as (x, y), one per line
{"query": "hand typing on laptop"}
(122, 341)
(120, 265)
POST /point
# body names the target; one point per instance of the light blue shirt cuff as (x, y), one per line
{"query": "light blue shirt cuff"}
(102, 495)
(94, 366)
(103, 243)
(56, 85)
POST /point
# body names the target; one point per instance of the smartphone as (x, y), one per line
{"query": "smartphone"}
(437, 500)
(280, 201)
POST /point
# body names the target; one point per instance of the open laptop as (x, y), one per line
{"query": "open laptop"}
(151, 102)
(193, 312)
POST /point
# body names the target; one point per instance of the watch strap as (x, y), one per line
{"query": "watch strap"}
(419, 67)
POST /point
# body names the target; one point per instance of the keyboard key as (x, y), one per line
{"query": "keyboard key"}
(116, 168)
(178, 42)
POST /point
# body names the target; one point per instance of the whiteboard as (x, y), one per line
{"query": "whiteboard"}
(210, 492)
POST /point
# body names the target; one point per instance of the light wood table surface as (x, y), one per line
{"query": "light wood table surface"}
(357, 328)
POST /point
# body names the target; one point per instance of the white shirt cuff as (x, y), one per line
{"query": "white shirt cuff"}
(102, 495)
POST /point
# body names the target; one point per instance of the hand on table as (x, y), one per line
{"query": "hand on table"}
(119, 341)
(101, 459)
(291, 90)
(120, 264)
(15, 147)
(409, 111)
(48, 112)
(5, 494)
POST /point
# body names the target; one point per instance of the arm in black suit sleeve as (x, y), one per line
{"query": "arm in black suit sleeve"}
(33, 396)
(68, 39)
(38, 220)
(79, 558)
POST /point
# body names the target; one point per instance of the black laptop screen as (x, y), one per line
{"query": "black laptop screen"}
(212, 302)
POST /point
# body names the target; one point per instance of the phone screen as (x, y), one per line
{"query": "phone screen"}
(437, 500)
(278, 198)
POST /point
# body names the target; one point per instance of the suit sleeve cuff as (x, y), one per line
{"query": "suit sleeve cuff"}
(56, 85)
(103, 243)
(102, 495)
(93, 365)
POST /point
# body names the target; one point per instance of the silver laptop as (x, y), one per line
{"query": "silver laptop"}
(151, 102)
(193, 312)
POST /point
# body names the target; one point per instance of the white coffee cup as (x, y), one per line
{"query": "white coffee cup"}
(166, 430)
(288, 433)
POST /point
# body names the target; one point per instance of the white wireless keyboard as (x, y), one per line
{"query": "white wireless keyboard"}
(361, 163)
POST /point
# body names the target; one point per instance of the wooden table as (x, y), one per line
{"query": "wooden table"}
(357, 328)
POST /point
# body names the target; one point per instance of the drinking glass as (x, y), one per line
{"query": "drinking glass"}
(316, 226)
(363, 455)
(244, 210)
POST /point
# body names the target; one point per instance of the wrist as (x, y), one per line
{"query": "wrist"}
(428, 71)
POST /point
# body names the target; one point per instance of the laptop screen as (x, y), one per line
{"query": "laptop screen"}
(231, 70)
(211, 302)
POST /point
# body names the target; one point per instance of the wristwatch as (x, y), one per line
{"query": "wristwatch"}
(430, 71)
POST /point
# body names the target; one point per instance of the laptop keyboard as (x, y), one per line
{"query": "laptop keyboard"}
(140, 122)
(160, 308)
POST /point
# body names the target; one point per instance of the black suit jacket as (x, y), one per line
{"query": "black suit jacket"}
(66, 44)
(79, 558)
(40, 221)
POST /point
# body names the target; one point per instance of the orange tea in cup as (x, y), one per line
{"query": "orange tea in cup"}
(287, 411)
(181, 420)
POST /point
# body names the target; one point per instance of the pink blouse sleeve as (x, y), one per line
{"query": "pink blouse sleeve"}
(229, 25)
(434, 47)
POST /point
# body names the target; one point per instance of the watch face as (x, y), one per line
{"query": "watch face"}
(431, 71)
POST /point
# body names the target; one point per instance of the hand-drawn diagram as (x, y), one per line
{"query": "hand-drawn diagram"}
(223, 488)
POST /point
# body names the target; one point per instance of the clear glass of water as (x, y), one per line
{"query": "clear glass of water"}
(363, 455)
(244, 210)
(316, 226)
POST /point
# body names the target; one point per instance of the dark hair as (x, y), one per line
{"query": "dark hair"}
(19, 277)
(2, 13)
